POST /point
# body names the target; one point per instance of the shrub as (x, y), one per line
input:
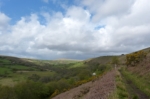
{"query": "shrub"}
(134, 58)
(31, 90)
(7, 93)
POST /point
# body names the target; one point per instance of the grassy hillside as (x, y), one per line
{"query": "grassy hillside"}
(135, 76)
(100, 60)
(15, 69)
(49, 78)
(51, 62)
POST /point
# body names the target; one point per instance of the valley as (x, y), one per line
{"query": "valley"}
(73, 79)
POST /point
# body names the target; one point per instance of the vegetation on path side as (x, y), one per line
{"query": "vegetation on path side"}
(120, 91)
(140, 86)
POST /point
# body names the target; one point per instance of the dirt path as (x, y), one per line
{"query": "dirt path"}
(99, 89)
(134, 92)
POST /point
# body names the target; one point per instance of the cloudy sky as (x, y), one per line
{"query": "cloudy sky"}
(76, 29)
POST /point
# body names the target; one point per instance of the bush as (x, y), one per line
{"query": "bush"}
(31, 90)
(7, 93)
(135, 58)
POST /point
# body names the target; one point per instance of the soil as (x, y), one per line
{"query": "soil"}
(101, 88)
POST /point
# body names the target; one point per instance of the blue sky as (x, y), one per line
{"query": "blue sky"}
(76, 29)
(16, 9)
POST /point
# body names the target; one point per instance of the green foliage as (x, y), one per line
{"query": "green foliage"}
(4, 71)
(31, 90)
(138, 81)
(7, 93)
(135, 58)
(24, 90)
(121, 91)
(135, 97)
(20, 67)
(84, 75)
(4, 61)
(63, 84)
(52, 86)
(34, 77)
(45, 79)
(115, 60)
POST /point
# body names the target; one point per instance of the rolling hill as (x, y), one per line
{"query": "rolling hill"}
(73, 79)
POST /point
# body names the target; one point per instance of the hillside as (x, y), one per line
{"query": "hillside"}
(143, 68)
(137, 77)
(56, 76)
(100, 60)
(73, 79)
(128, 81)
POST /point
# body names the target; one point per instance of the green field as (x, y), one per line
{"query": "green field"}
(5, 61)
(4, 70)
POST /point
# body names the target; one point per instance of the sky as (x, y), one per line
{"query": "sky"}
(74, 29)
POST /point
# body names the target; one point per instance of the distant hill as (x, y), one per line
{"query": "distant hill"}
(65, 59)
(100, 60)
(52, 62)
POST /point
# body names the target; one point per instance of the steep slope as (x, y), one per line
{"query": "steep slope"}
(137, 77)
(143, 68)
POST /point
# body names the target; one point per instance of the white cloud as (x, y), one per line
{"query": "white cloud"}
(106, 8)
(4, 21)
(118, 27)
(46, 1)
(128, 21)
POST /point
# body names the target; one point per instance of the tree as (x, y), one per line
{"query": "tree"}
(31, 90)
(7, 93)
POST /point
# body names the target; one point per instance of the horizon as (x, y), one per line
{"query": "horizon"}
(54, 29)
(70, 58)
